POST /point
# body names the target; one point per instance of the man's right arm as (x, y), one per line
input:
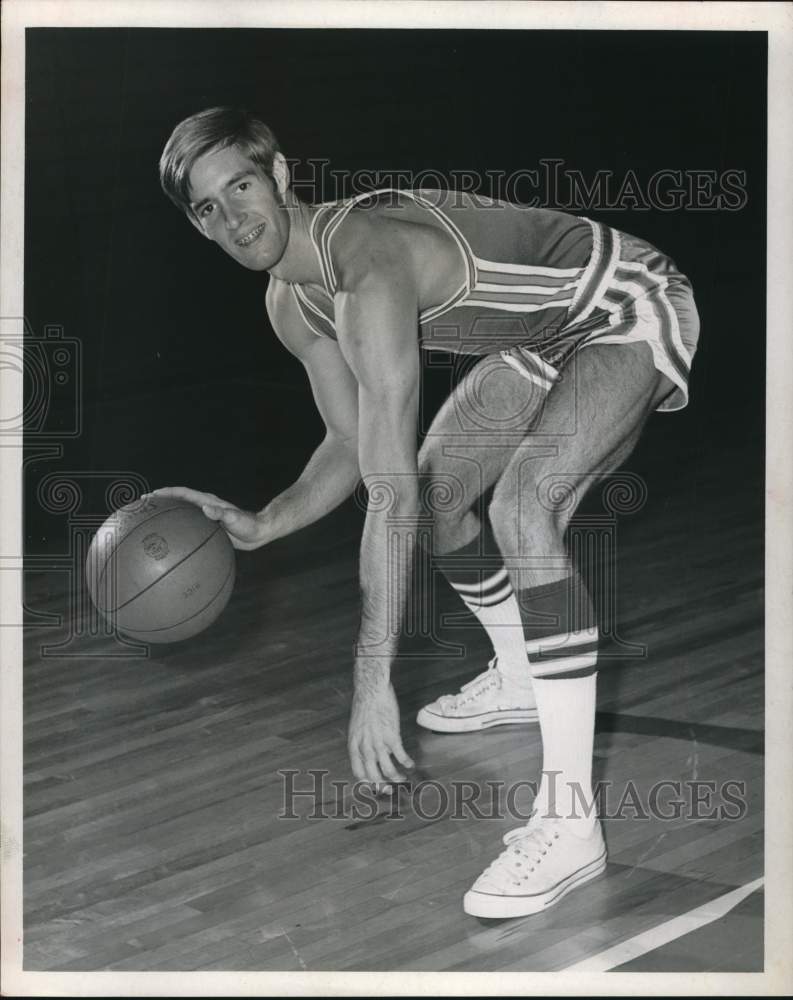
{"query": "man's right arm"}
(331, 474)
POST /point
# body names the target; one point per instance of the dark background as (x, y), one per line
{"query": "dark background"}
(183, 381)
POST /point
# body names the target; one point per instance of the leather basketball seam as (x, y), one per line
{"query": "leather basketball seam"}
(141, 633)
(154, 583)
(117, 546)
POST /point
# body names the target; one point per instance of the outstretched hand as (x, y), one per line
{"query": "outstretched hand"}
(374, 737)
(245, 530)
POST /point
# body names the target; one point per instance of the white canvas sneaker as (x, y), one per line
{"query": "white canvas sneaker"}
(488, 700)
(542, 863)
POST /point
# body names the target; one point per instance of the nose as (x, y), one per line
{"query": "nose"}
(234, 218)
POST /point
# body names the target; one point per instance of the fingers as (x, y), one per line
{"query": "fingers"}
(241, 545)
(230, 516)
(213, 507)
(364, 766)
(399, 752)
(213, 512)
(185, 493)
(179, 492)
(356, 763)
(387, 766)
(374, 764)
(241, 526)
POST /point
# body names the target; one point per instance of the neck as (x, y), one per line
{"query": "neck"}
(299, 263)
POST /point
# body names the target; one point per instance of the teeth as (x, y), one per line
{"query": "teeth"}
(250, 237)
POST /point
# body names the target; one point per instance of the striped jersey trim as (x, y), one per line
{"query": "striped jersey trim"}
(532, 270)
(325, 238)
(523, 288)
(496, 285)
(437, 311)
(609, 300)
(459, 238)
(315, 319)
(320, 217)
(518, 307)
(515, 287)
(322, 235)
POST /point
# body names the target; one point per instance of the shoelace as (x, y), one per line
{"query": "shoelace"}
(526, 847)
(473, 688)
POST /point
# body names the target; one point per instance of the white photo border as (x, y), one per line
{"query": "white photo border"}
(777, 20)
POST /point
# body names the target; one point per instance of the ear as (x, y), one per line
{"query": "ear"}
(281, 174)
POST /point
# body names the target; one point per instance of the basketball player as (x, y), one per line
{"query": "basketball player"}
(582, 333)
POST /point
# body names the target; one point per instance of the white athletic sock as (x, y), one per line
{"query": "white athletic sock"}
(477, 572)
(561, 640)
(494, 603)
(566, 709)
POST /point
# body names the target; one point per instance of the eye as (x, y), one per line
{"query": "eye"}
(205, 211)
(243, 185)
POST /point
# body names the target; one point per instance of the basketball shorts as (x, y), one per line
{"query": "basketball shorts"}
(629, 292)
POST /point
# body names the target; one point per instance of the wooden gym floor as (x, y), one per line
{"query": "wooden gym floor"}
(152, 794)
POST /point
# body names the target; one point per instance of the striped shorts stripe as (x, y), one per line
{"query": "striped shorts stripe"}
(630, 292)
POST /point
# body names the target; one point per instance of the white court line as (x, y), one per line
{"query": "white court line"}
(666, 932)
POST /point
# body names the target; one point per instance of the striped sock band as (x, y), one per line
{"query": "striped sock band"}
(491, 590)
(477, 571)
(478, 575)
(560, 629)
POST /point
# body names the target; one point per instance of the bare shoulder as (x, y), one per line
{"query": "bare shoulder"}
(368, 246)
(377, 248)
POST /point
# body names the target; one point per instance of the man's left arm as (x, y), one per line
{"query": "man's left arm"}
(376, 323)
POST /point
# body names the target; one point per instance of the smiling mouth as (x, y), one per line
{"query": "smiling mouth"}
(252, 236)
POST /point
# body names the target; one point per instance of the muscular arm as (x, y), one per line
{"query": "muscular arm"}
(376, 323)
(377, 333)
(331, 473)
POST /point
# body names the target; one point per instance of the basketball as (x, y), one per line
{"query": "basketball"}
(159, 570)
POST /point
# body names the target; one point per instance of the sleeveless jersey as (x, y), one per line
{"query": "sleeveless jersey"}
(538, 283)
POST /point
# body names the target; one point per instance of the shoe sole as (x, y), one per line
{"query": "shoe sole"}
(471, 723)
(483, 904)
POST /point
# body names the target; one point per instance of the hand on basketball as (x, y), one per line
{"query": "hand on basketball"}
(374, 738)
(243, 528)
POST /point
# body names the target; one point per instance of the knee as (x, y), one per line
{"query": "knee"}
(504, 514)
(446, 497)
(429, 469)
(444, 491)
(431, 460)
(427, 462)
(521, 517)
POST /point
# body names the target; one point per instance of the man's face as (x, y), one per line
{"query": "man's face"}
(237, 207)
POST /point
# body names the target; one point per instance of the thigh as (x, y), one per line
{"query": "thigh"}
(479, 426)
(591, 422)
